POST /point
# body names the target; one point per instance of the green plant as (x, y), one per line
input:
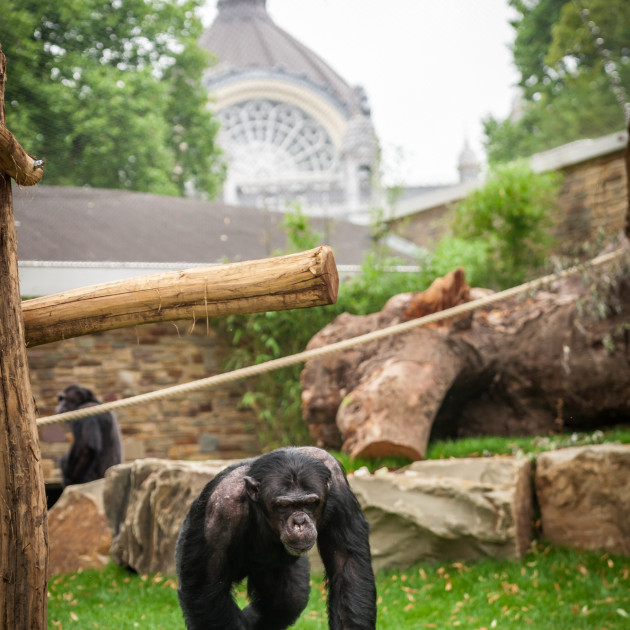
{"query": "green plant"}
(502, 228)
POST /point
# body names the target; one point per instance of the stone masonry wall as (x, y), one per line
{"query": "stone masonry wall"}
(123, 363)
(593, 200)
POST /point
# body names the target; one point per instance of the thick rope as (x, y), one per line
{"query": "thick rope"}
(316, 353)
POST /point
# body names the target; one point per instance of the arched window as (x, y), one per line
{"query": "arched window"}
(270, 140)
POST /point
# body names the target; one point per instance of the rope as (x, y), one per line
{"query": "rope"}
(317, 353)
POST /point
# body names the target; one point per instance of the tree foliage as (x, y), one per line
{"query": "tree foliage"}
(110, 94)
(574, 62)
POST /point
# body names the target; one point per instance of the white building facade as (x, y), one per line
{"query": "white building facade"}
(291, 128)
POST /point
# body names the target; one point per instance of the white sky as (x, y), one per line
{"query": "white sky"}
(432, 70)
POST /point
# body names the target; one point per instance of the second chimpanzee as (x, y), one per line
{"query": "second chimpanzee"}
(257, 520)
(96, 439)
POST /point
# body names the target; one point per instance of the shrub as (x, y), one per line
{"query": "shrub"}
(503, 228)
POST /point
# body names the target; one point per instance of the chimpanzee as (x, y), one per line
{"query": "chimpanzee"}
(96, 442)
(257, 519)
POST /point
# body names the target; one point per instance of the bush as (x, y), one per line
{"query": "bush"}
(502, 230)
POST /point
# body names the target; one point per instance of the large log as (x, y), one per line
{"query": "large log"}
(23, 532)
(524, 367)
(284, 282)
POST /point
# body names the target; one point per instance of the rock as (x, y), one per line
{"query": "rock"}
(584, 497)
(146, 502)
(447, 510)
(78, 535)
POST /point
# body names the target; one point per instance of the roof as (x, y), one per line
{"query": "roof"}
(89, 224)
(245, 40)
(554, 159)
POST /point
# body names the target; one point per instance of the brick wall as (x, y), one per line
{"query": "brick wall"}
(593, 200)
(130, 361)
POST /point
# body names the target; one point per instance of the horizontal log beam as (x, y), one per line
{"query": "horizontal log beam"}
(16, 162)
(294, 281)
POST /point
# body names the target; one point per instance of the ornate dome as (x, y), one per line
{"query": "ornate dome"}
(244, 39)
(287, 118)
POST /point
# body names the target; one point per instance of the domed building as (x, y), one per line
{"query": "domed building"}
(292, 129)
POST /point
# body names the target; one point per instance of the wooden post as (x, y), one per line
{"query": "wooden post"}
(294, 281)
(23, 531)
(627, 230)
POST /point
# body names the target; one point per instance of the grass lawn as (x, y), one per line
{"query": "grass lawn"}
(552, 588)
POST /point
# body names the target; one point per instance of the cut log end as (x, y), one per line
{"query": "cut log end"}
(386, 448)
(329, 273)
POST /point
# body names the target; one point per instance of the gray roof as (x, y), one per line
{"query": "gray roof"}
(88, 224)
(245, 40)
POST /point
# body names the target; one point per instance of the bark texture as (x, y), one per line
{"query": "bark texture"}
(23, 532)
(284, 282)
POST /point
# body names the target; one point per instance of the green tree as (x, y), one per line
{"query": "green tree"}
(574, 62)
(110, 93)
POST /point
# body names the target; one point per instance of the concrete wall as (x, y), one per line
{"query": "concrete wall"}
(126, 362)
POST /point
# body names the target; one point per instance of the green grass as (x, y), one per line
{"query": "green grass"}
(487, 446)
(552, 588)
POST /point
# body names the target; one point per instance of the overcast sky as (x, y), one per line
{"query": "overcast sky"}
(432, 70)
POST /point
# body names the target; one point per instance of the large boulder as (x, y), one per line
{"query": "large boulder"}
(146, 502)
(584, 497)
(78, 535)
(447, 510)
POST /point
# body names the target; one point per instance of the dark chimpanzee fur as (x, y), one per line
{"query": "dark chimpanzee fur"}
(256, 520)
(96, 439)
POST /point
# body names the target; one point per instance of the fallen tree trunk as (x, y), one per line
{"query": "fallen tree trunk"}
(285, 282)
(558, 359)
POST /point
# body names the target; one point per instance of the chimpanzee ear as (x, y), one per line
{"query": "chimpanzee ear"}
(252, 486)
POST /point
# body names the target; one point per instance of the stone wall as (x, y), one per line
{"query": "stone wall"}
(123, 363)
(593, 200)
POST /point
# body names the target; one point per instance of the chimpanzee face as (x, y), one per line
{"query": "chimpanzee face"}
(293, 507)
(73, 397)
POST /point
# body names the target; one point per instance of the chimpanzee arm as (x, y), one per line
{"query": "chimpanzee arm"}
(208, 547)
(344, 546)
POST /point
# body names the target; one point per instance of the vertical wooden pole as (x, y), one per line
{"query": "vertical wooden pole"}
(628, 182)
(23, 529)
